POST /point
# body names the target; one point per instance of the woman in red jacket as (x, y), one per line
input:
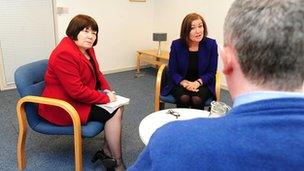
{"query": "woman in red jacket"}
(73, 75)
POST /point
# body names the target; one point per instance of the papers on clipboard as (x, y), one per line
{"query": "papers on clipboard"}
(110, 107)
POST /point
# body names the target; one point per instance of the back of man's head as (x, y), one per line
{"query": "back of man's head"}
(268, 36)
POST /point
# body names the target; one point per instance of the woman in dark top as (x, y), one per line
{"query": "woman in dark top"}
(192, 64)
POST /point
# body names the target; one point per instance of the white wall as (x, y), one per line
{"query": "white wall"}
(124, 28)
(128, 26)
(168, 16)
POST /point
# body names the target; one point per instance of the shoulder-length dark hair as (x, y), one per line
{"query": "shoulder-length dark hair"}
(78, 23)
(186, 26)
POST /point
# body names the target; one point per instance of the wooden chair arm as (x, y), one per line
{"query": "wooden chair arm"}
(50, 101)
(158, 87)
(218, 86)
(54, 102)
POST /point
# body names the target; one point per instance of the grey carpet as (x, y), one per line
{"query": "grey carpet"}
(44, 152)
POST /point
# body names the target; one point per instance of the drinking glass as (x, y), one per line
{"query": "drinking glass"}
(219, 108)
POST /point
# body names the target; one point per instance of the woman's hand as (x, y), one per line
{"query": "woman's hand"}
(190, 85)
(184, 83)
(193, 86)
(111, 96)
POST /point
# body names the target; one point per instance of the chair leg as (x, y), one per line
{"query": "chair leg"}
(21, 162)
(156, 106)
(78, 150)
(161, 105)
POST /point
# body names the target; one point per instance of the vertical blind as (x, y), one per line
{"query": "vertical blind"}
(26, 33)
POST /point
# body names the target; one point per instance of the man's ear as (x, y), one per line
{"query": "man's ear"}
(227, 58)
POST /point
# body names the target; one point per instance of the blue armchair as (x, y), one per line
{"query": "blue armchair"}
(162, 79)
(29, 80)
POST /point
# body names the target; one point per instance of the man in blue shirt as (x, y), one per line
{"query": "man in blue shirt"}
(263, 59)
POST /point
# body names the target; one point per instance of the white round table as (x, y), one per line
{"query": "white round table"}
(157, 119)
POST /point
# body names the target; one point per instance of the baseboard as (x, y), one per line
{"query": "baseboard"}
(112, 71)
(4, 85)
(12, 85)
(8, 86)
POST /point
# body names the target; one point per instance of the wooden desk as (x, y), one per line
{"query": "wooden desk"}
(151, 57)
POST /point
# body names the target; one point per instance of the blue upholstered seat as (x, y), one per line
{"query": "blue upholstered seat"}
(91, 129)
(29, 80)
(168, 99)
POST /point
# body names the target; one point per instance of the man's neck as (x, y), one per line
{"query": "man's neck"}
(264, 95)
(246, 87)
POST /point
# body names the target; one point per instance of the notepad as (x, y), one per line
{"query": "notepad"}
(112, 106)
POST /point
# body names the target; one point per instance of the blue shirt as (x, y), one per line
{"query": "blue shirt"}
(264, 95)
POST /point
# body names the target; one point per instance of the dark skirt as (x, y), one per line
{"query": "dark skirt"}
(204, 93)
(99, 114)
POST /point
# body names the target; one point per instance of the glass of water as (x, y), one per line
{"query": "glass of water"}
(219, 108)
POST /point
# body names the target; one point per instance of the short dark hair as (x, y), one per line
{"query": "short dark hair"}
(186, 26)
(78, 23)
(268, 37)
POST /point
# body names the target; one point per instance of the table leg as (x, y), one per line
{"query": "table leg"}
(137, 73)
(138, 63)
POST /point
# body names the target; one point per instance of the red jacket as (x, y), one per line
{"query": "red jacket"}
(70, 77)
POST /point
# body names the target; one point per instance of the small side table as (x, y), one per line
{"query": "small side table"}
(157, 119)
(151, 57)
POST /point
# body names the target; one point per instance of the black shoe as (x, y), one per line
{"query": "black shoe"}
(107, 161)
